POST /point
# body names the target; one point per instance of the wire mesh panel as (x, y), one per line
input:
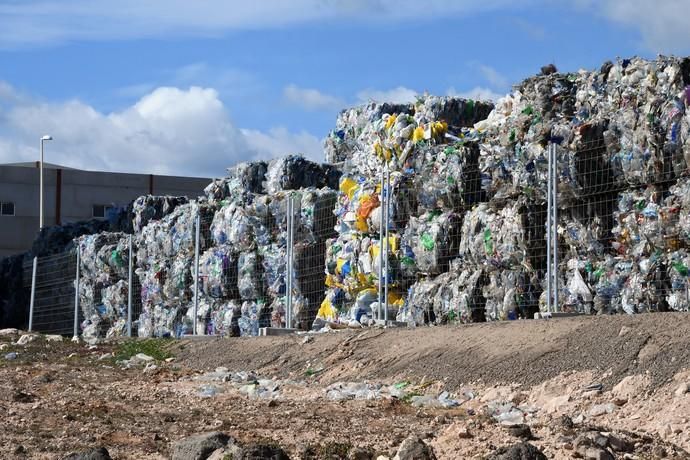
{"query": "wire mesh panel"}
(624, 236)
(53, 310)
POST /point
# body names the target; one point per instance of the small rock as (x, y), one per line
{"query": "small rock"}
(601, 441)
(307, 339)
(464, 433)
(383, 457)
(26, 339)
(601, 409)
(4, 346)
(272, 403)
(53, 338)
(360, 453)
(169, 360)
(566, 422)
(20, 450)
(143, 357)
(11, 356)
(200, 446)
(520, 431)
(620, 401)
(619, 444)
(105, 356)
(624, 330)
(21, 397)
(72, 355)
(659, 452)
(413, 448)
(100, 453)
(682, 389)
(9, 331)
(521, 451)
(595, 453)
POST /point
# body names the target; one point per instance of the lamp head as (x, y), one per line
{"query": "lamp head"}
(47, 138)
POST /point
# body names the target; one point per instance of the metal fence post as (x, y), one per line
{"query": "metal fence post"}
(129, 289)
(381, 236)
(386, 257)
(76, 295)
(554, 237)
(289, 269)
(33, 294)
(196, 270)
(549, 207)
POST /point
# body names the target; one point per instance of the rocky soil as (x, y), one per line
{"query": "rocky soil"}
(597, 387)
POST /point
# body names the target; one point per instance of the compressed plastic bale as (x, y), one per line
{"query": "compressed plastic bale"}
(162, 321)
(641, 228)
(510, 236)
(418, 303)
(294, 172)
(314, 217)
(249, 277)
(677, 297)
(240, 226)
(248, 322)
(433, 239)
(149, 207)
(114, 258)
(459, 296)
(218, 272)
(447, 177)
(675, 214)
(511, 294)
(224, 319)
(178, 279)
(90, 263)
(115, 308)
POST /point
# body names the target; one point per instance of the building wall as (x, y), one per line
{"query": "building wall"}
(79, 191)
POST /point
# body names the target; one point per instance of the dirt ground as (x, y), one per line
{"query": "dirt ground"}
(579, 386)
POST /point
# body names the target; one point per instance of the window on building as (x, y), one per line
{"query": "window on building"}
(7, 208)
(100, 211)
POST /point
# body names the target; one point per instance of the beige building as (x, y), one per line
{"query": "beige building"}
(72, 195)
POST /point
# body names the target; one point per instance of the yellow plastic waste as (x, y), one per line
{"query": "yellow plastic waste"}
(392, 247)
(348, 186)
(339, 265)
(391, 121)
(327, 312)
(418, 134)
(439, 128)
(367, 203)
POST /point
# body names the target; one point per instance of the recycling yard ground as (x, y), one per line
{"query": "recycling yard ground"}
(594, 387)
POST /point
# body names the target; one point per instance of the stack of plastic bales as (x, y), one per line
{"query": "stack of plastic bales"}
(243, 271)
(103, 289)
(434, 178)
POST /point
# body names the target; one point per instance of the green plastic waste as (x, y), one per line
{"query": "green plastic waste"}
(427, 241)
(680, 268)
(488, 244)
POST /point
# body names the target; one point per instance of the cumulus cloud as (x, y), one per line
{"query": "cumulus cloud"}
(31, 22)
(663, 25)
(492, 76)
(168, 131)
(311, 99)
(399, 95)
(476, 93)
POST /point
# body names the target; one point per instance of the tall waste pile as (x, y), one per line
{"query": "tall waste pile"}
(622, 155)
(242, 249)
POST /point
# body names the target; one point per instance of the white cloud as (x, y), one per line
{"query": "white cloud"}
(275, 141)
(399, 95)
(311, 99)
(31, 22)
(663, 24)
(476, 93)
(494, 78)
(168, 131)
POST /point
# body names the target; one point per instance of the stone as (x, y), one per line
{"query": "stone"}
(9, 331)
(360, 453)
(260, 452)
(200, 446)
(100, 453)
(11, 356)
(464, 433)
(26, 339)
(566, 422)
(521, 451)
(595, 453)
(619, 444)
(624, 330)
(520, 431)
(413, 448)
(682, 389)
(631, 386)
(142, 357)
(53, 338)
(601, 409)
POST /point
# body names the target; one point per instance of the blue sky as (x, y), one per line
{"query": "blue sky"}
(192, 87)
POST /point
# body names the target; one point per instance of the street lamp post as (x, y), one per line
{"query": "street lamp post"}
(43, 139)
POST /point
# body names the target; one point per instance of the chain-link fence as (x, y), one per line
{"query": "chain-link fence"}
(623, 229)
(52, 283)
